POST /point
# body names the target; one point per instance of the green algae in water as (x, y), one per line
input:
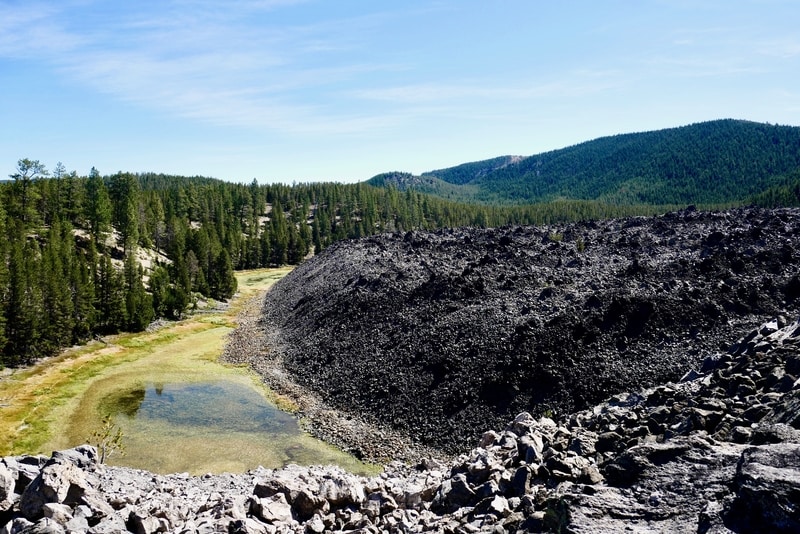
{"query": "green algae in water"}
(222, 406)
(217, 426)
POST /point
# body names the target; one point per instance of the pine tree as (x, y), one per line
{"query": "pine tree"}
(159, 289)
(72, 199)
(124, 194)
(98, 207)
(23, 302)
(279, 234)
(3, 277)
(56, 295)
(138, 303)
(24, 195)
(83, 297)
(226, 279)
(110, 297)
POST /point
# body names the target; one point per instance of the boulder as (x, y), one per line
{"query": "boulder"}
(768, 489)
(7, 485)
(59, 482)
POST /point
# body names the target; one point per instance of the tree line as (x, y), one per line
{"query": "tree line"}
(99, 254)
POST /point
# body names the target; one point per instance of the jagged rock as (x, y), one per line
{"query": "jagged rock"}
(583, 442)
(59, 482)
(44, 525)
(768, 488)
(274, 509)
(342, 491)
(562, 340)
(454, 493)
(496, 505)
(7, 485)
(141, 522)
(83, 456)
(61, 513)
(307, 503)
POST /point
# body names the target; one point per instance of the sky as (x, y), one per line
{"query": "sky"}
(340, 90)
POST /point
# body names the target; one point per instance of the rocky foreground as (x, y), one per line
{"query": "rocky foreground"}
(716, 452)
(439, 335)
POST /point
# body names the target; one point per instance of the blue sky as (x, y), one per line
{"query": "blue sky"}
(320, 90)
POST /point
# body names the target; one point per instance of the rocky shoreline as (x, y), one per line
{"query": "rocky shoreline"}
(717, 452)
(251, 344)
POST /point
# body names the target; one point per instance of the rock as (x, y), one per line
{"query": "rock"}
(59, 482)
(438, 326)
(583, 442)
(16, 526)
(627, 467)
(143, 523)
(274, 509)
(521, 482)
(342, 491)
(83, 456)
(608, 442)
(590, 474)
(307, 503)
(7, 484)
(60, 513)
(768, 488)
(496, 505)
(44, 526)
(454, 493)
(543, 474)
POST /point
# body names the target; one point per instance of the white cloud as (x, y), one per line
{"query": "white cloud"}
(202, 60)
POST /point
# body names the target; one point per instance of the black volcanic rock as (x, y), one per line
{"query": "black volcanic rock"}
(442, 335)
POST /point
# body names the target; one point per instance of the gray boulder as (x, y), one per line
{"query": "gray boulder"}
(768, 489)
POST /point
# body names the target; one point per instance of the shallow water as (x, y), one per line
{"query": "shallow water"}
(221, 425)
(219, 406)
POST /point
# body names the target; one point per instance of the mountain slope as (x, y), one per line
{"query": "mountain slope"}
(720, 161)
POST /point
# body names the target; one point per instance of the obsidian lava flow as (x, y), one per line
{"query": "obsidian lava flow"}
(445, 334)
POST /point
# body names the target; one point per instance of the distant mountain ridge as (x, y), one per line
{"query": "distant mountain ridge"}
(722, 161)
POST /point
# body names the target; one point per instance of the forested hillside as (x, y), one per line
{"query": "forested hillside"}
(717, 162)
(91, 255)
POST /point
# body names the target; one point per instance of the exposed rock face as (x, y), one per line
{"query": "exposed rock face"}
(716, 452)
(441, 335)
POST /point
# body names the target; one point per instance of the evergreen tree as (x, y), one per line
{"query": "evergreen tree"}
(3, 277)
(24, 195)
(159, 289)
(83, 297)
(72, 199)
(110, 297)
(124, 194)
(98, 207)
(23, 303)
(57, 300)
(138, 303)
(279, 234)
(225, 284)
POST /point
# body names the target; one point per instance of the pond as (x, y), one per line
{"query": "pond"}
(221, 425)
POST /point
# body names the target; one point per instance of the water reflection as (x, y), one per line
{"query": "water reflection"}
(224, 406)
(220, 425)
